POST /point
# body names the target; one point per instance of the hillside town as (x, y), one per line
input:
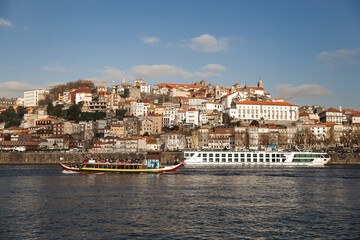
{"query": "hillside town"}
(138, 117)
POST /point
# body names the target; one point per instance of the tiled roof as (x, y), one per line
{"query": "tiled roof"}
(18, 143)
(265, 103)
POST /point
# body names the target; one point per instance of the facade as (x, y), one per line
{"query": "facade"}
(7, 102)
(332, 115)
(32, 97)
(267, 111)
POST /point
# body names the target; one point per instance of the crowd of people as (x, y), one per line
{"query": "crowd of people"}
(99, 160)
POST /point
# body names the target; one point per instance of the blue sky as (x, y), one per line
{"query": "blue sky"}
(308, 50)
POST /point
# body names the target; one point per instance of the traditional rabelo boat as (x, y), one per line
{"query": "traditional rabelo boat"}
(99, 165)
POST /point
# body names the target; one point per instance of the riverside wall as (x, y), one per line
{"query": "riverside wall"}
(23, 158)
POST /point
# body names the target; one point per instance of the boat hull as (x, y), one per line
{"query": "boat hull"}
(166, 169)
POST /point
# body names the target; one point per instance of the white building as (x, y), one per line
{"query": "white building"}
(268, 111)
(192, 117)
(139, 108)
(196, 102)
(32, 97)
(355, 118)
(82, 97)
(228, 98)
(211, 106)
(332, 115)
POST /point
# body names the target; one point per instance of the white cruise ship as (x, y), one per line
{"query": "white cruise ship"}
(263, 158)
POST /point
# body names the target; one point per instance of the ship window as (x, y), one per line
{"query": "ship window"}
(230, 159)
(277, 155)
(204, 155)
(223, 155)
(255, 160)
(211, 159)
(261, 155)
(261, 160)
(204, 159)
(236, 159)
(223, 159)
(236, 155)
(267, 155)
(273, 155)
(267, 159)
(242, 159)
(217, 155)
(255, 155)
(248, 155)
(217, 159)
(242, 155)
(211, 154)
(186, 155)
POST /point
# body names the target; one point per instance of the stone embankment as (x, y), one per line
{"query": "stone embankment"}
(166, 158)
(344, 159)
(7, 158)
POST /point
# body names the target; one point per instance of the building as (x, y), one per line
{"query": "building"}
(332, 115)
(7, 102)
(267, 111)
(32, 97)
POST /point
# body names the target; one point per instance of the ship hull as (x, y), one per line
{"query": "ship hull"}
(166, 169)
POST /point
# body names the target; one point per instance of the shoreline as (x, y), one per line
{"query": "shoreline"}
(53, 158)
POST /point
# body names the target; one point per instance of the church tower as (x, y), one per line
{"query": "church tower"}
(123, 81)
(260, 84)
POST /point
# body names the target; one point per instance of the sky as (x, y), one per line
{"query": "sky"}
(307, 52)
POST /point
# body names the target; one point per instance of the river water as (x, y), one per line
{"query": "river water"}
(41, 202)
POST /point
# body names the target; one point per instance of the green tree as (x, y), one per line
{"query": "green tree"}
(254, 123)
(120, 113)
(49, 108)
(74, 112)
(126, 93)
(57, 110)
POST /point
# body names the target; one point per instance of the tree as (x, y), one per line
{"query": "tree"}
(120, 113)
(57, 110)
(11, 117)
(254, 123)
(264, 139)
(45, 101)
(126, 93)
(74, 112)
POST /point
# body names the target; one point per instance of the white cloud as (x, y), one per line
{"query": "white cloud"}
(113, 73)
(159, 71)
(208, 43)
(214, 68)
(302, 92)
(4, 22)
(205, 74)
(341, 53)
(54, 69)
(150, 40)
(165, 70)
(16, 89)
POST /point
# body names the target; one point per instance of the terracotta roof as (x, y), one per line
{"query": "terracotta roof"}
(46, 119)
(18, 143)
(265, 103)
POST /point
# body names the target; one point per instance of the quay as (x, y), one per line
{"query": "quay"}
(33, 157)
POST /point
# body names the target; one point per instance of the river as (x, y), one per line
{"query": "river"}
(41, 202)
